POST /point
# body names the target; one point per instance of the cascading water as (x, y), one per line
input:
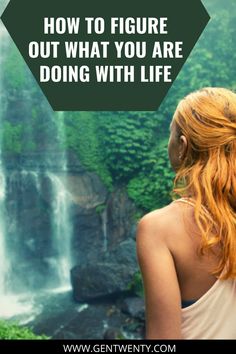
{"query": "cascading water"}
(3, 252)
(104, 228)
(61, 224)
(35, 223)
(9, 304)
(61, 228)
(3, 258)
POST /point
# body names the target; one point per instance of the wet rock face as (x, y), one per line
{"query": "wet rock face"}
(120, 212)
(106, 250)
(101, 223)
(111, 273)
(134, 306)
(31, 211)
(62, 318)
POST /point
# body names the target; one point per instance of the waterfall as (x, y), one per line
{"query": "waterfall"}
(61, 231)
(43, 254)
(104, 228)
(3, 253)
(35, 221)
(9, 304)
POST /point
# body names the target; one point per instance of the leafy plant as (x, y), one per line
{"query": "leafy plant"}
(83, 138)
(12, 137)
(15, 69)
(14, 331)
(152, 187)
(136, 285)
(127, 140)
(100, 208)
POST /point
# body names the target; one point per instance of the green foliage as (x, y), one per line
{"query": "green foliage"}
(12, 137)
(127, 140)
(212, 61)
(136, 285)
(152, 187)
(100, 208)
(82, 137)
(13, 331)
(15, 70)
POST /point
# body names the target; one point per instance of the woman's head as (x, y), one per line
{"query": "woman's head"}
(204, 120)
(202, 150)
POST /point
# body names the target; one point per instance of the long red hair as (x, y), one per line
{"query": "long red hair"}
(208, 173)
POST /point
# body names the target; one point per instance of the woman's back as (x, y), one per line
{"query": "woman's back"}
(213, 301)
(193, 270)
(183, 240)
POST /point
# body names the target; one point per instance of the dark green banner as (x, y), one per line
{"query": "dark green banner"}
(105, 55)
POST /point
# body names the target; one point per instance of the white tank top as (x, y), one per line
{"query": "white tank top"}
(213, 316)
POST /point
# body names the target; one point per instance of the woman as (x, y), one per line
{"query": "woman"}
(187, 250)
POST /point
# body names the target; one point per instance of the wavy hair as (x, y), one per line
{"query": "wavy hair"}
(207, 118)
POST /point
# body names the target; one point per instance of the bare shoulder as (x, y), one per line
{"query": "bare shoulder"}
(167, 227)
(158, 222)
